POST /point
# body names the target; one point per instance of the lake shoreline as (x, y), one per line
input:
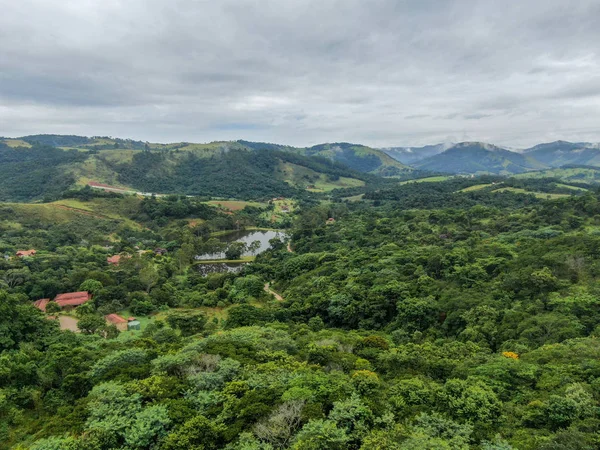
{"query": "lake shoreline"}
(226, 232)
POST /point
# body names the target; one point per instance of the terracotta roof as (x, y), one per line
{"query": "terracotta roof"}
(115, 318)
(130, 319)
(41, 304)
(116, 259)
(26, 252)
(72, 298)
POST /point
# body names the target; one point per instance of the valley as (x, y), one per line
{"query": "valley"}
(196, 295)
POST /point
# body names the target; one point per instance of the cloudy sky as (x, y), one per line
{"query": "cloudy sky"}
(300, 72)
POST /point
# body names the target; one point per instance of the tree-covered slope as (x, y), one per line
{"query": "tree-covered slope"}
(560, 153)
(35, 172)
(220, 170)
(412, 155)
(568, 173)
(476, 157)
(358, 157)
(470, 327)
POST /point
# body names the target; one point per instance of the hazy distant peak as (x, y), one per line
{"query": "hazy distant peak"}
(482, 145)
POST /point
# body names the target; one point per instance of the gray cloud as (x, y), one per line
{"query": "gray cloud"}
(300, 72)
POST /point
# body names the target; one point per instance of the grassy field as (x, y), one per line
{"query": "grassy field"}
(144, 322)
(580, 174)
(304, 177)
(210, 148)
(542, 195)
(355, 198)
(574, 188)
(279, 215)
(71, 210)
(16, 143)
(235, 205)
(44, 213)
(477, 187)
(426, 180)
(95, 169)
(99, 208)
(324, 185)
(279, 204)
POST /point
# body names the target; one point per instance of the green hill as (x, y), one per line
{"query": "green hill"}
(574, 174)
(412, 155)
(358, 157)
(560, 153)
(220, 169)
(477, 157)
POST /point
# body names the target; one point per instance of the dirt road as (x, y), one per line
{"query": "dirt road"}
(68, 323)
(273, 293)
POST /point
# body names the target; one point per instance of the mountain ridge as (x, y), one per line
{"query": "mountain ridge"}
(469, 157)
(222, 169)
(356, 156)
(479, 157)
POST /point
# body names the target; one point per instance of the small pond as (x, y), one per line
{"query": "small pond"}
(247, 237)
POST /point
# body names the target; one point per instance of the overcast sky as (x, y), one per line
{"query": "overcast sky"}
(301, 72)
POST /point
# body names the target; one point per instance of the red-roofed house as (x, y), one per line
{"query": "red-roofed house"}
(117, 321)
(72, 299)
(116, 259)
(22, 253)
(41, 304)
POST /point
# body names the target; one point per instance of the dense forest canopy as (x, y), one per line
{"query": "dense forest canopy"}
(459, 313)
(43, 171)
(34, 172)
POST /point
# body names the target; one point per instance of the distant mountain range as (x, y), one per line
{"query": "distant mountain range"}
(560, 153)
(476, 157)
(267, 167)
(480, 157)
(411, 155)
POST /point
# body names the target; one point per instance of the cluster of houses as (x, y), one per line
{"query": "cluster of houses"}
(65, 301)
(71, 300)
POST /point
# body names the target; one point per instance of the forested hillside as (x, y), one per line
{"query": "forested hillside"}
(560, 153)
(35, 172)
(477, 157)
(43, 171)
(402, 321)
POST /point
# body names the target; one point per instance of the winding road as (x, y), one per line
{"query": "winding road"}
(273, 293)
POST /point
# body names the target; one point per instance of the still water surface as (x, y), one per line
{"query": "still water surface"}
(247, 237)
